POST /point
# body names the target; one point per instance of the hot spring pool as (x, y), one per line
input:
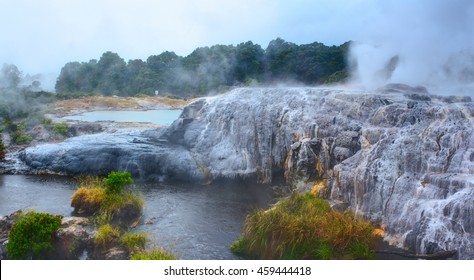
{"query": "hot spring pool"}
(165, 117)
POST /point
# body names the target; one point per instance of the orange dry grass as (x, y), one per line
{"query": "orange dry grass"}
(174, 103)
(91, 103)
(94, 103)
(88, 200)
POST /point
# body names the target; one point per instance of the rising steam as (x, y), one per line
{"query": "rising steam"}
(426, 42)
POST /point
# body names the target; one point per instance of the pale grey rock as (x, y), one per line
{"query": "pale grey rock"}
(72, 239)
(399, 156)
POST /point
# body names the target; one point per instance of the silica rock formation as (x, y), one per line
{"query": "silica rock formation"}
(399, 156)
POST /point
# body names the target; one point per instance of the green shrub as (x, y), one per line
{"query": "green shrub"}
(31, 237)
(22, 139)
(155, 254)
(60, 129)
(17, 134)
(304, 227)
(116, 181)
(46, 122)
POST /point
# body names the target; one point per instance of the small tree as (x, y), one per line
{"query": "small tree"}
(116, 181)
(10, 76)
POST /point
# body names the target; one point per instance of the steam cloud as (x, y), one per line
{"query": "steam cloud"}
(426, 42)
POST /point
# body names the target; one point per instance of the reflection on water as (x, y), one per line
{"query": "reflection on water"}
(194, 221)
(200, 222)
(41, 193)
(151, 116)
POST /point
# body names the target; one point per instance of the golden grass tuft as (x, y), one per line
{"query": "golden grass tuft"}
(106, 236)
(304, 227)
(93, 199)
(88, 200)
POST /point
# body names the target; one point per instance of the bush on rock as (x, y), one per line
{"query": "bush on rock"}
(31, 237)
(106, 198)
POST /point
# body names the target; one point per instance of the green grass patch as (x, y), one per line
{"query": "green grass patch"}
(304, 227)
(60, 129)
(117, 203)
(32, 236)
(155, 254)
(106, 236)
(134, 242)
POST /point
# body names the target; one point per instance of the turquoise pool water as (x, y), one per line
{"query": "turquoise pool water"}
(151, 116)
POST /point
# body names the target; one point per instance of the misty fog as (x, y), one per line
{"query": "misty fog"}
(425, 42)
(432, 42)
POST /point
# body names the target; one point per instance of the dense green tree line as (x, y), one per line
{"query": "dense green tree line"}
(206, 69)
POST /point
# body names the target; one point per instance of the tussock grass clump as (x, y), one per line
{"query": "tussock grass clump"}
(106, 236)
(113, 209)
(123, 206)
(91, 181)
(134, 242)
(305, 227)
(88, 200)
(155, 254)
(106, 198)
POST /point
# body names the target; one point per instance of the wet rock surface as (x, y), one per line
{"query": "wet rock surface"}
(399, 156)
(73, 238)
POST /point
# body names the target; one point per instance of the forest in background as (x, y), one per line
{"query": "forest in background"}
(206, 70)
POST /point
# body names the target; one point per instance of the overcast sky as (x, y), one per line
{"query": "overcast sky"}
(41, 36)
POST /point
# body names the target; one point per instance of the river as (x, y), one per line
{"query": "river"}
(193, 221)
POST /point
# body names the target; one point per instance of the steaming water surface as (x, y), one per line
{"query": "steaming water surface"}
(194, 221)
(152, 116)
